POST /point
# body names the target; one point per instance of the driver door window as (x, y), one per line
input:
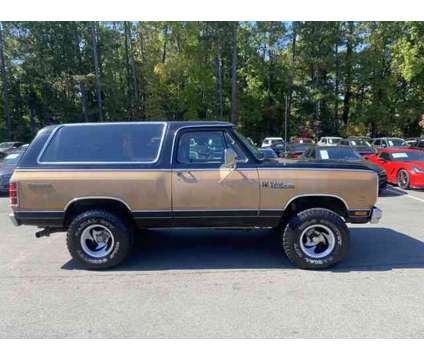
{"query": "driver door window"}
(207, 147)
(201, 147)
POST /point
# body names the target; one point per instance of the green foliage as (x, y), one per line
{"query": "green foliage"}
(339, 78)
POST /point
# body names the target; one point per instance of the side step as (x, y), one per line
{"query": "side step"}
(47, 231)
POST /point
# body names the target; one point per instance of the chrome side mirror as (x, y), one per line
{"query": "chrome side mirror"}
(230, 158)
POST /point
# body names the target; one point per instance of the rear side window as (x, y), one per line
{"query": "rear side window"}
(133, 143)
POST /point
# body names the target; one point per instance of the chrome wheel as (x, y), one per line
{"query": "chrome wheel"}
(403, 179)
(317, 241)
(97, 241)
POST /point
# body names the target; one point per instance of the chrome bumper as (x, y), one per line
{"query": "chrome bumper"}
(376, 215)
(13, 219)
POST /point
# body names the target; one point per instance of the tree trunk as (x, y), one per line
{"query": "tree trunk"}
(31, 104)
(143, 83)
(218, 70)
(336, 89)
(292, 73)
(348, 83)
(97, 69)
(165, 31)
(84, 100)
(133, 68)
(127, 65)
(5, 89)
(234, 75)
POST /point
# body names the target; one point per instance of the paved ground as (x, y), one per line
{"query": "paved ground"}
(219, 284)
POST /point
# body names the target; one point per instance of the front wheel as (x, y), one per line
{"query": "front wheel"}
(98, 239)
(316, 239)
(403, 179)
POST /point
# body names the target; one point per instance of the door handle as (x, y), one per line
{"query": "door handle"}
(182, 174)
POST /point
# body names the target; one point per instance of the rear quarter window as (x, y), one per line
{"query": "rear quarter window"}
(123, 143)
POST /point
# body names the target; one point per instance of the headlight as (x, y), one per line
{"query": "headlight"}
(418, 170)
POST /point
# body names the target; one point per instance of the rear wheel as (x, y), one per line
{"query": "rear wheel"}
(99, 239)
(403, 179)
(316, 239)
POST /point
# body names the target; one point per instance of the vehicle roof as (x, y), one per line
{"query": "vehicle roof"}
(388, 137)
(273, 138)
(331, 137)
(394, 149)
(172, 124)
(317, 146)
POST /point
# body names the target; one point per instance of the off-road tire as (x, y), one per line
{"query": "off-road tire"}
(122, 233)
(399, 182)
(302, 220)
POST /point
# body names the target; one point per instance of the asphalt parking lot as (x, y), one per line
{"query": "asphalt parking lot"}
(215, 284)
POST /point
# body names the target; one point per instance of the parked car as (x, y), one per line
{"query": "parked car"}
(387, 142)
(404, 167)
(418, 145)
(6, 170)
(412, 141)
(269, 141)
(361, 146)
(329, 140)
(301, 140)
(275, 143)
(364, 138)
(295, 150)
(345, 154)
(99, 182)
(10, 145)
(268, 154)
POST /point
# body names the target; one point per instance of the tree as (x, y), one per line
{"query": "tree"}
(234, 73)
(5, 88)
(341, 78)
(97, 69)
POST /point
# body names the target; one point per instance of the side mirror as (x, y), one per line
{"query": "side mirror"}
(230, 158)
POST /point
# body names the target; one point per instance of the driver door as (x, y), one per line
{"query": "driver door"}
(204, 192)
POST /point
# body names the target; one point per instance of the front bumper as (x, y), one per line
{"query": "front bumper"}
(359, 216)
(376, 215)
(13, 219)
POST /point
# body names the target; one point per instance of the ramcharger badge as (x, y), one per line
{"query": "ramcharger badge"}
(277, 185)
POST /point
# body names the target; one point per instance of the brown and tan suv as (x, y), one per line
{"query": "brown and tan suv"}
(100, 182)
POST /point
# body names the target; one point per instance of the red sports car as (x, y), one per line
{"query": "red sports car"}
(404, 167)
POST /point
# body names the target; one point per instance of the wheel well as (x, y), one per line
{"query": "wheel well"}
(310, 201)
(114, 206)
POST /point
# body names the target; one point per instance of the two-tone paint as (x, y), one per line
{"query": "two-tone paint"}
(167, 193)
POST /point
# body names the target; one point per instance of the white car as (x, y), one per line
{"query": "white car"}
(329, 140)
(271, 141)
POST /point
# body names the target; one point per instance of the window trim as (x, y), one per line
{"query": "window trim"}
(200, 162)
(188, 129)
(54, 132)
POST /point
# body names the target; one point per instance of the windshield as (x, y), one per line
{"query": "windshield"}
(359, 142)
(396, 142)
(256, 153)
(6, 145)
(333, 140)
(11, 159)
(407, 156)
(276, 142)
(338, 154)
